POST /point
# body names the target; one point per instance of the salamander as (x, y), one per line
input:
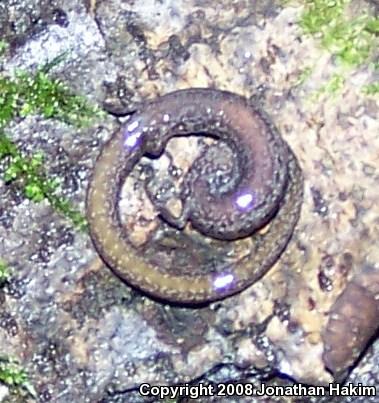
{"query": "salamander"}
(266, 192)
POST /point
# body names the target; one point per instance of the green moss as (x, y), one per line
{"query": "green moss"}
(4, 272)
(3, 47)
(331, 88)
(371, 89)
(14, 376)
(352, 41)
(28, 173)
(320, 14)
(372, 26)
(304, 75)
(24, 94)
(334, 85)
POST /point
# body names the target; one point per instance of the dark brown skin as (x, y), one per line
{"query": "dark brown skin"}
(353, 321)
(268, 187)
(262, 159)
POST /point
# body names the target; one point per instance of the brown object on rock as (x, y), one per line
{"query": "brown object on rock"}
(354, 320)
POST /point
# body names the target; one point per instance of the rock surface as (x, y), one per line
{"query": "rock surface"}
(81, 333)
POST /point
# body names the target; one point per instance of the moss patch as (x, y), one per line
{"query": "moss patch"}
(24, 94)
(14, 376)
(4, 273)
(318, 15)
(371, 89)
(3, 47)
(353, 41)
(28, 173)
(332, 87)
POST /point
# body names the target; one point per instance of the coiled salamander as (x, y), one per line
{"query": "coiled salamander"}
(268, 190)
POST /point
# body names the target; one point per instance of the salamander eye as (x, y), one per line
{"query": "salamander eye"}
(154, 147)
